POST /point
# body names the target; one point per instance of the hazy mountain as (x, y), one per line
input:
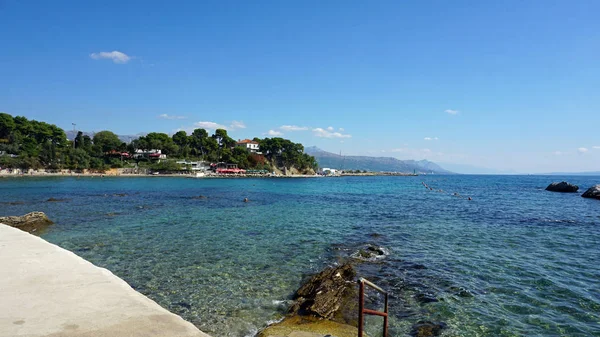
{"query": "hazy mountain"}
(124, 138)
(373, 164)
(594, 173)
(470, 169)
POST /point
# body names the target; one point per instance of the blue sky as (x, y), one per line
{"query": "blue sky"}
(508, 85)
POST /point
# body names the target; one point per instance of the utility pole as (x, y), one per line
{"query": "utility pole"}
(74, 134)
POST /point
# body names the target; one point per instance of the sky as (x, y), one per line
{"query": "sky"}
(512, 86)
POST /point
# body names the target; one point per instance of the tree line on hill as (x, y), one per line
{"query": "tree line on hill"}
(29, 144)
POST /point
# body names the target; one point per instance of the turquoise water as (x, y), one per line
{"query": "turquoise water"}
(514, 261)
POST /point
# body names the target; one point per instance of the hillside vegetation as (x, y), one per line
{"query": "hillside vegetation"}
(29, 144)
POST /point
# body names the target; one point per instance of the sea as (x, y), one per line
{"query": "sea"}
(515, 260)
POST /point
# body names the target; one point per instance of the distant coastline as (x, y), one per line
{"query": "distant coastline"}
(18, 173)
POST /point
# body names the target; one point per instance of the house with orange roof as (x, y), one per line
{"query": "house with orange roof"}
(250, 145)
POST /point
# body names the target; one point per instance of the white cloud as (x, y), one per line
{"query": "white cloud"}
(596, 147)
(210, 125)
(274, 133)
(330, 128)
(341, 129)
(431, 138)
(582, 150)
(293, 128)
(165, 116)
(115, 56)
(320, 132)
(237, 125)
(558, 153)
(451, 112)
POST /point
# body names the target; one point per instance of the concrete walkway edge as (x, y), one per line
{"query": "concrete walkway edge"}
(48, 291)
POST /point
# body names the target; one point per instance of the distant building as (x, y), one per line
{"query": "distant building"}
(195, 165)
(328, 171)
(150, 154)
(225, 168)
(117, 154)
(250, 145)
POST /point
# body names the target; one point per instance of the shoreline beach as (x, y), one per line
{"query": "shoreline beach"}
(208, 175)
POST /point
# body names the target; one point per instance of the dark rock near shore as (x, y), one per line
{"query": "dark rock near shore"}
(12, 203)
(426, 298)
(30, 222)
(563, 187)
(592, 192)
(427, 329)
(370, 253)
(55, 200)
(331, 294)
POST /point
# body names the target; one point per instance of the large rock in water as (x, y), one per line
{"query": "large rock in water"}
(592, 192)
(30, 222)
(325, 305)
(563, 186)
(331, 294)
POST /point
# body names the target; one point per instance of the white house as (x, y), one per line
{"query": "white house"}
(150, 154)
(250, 145)
(327, 171)
(195, 165)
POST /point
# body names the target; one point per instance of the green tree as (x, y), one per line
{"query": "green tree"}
(180, 138)
(87, 144)
(78, 159)
(106, 141)
(223, 139)
(78, 140)
(198, 142)
(7, 125)
(161, 141)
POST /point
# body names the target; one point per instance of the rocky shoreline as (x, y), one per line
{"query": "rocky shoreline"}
(327, 303)
(34, 222)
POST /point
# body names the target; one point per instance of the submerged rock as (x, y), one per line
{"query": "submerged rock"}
(592, 192)
(427, 329)
(55, 200)
(12, 203)
(331, 294)
(297, 326)
(426, 298)
(563, 187)
(370, 253)
(327, 304)
(30, 222)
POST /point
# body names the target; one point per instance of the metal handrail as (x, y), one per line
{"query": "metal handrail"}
(361, 307)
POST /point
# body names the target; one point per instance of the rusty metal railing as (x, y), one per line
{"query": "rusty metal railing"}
(362, 310)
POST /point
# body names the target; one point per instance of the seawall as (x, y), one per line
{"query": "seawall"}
(48, 291)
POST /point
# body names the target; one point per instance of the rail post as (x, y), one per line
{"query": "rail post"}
(361, 307)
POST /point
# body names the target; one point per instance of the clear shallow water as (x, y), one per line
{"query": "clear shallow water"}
(515, 261)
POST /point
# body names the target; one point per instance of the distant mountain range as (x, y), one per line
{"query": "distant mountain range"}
(373, 164)
(592, 173)
(124, 138)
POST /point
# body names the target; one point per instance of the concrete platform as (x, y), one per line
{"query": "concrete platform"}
(48, 291)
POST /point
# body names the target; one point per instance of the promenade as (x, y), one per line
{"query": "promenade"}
(48, 291)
